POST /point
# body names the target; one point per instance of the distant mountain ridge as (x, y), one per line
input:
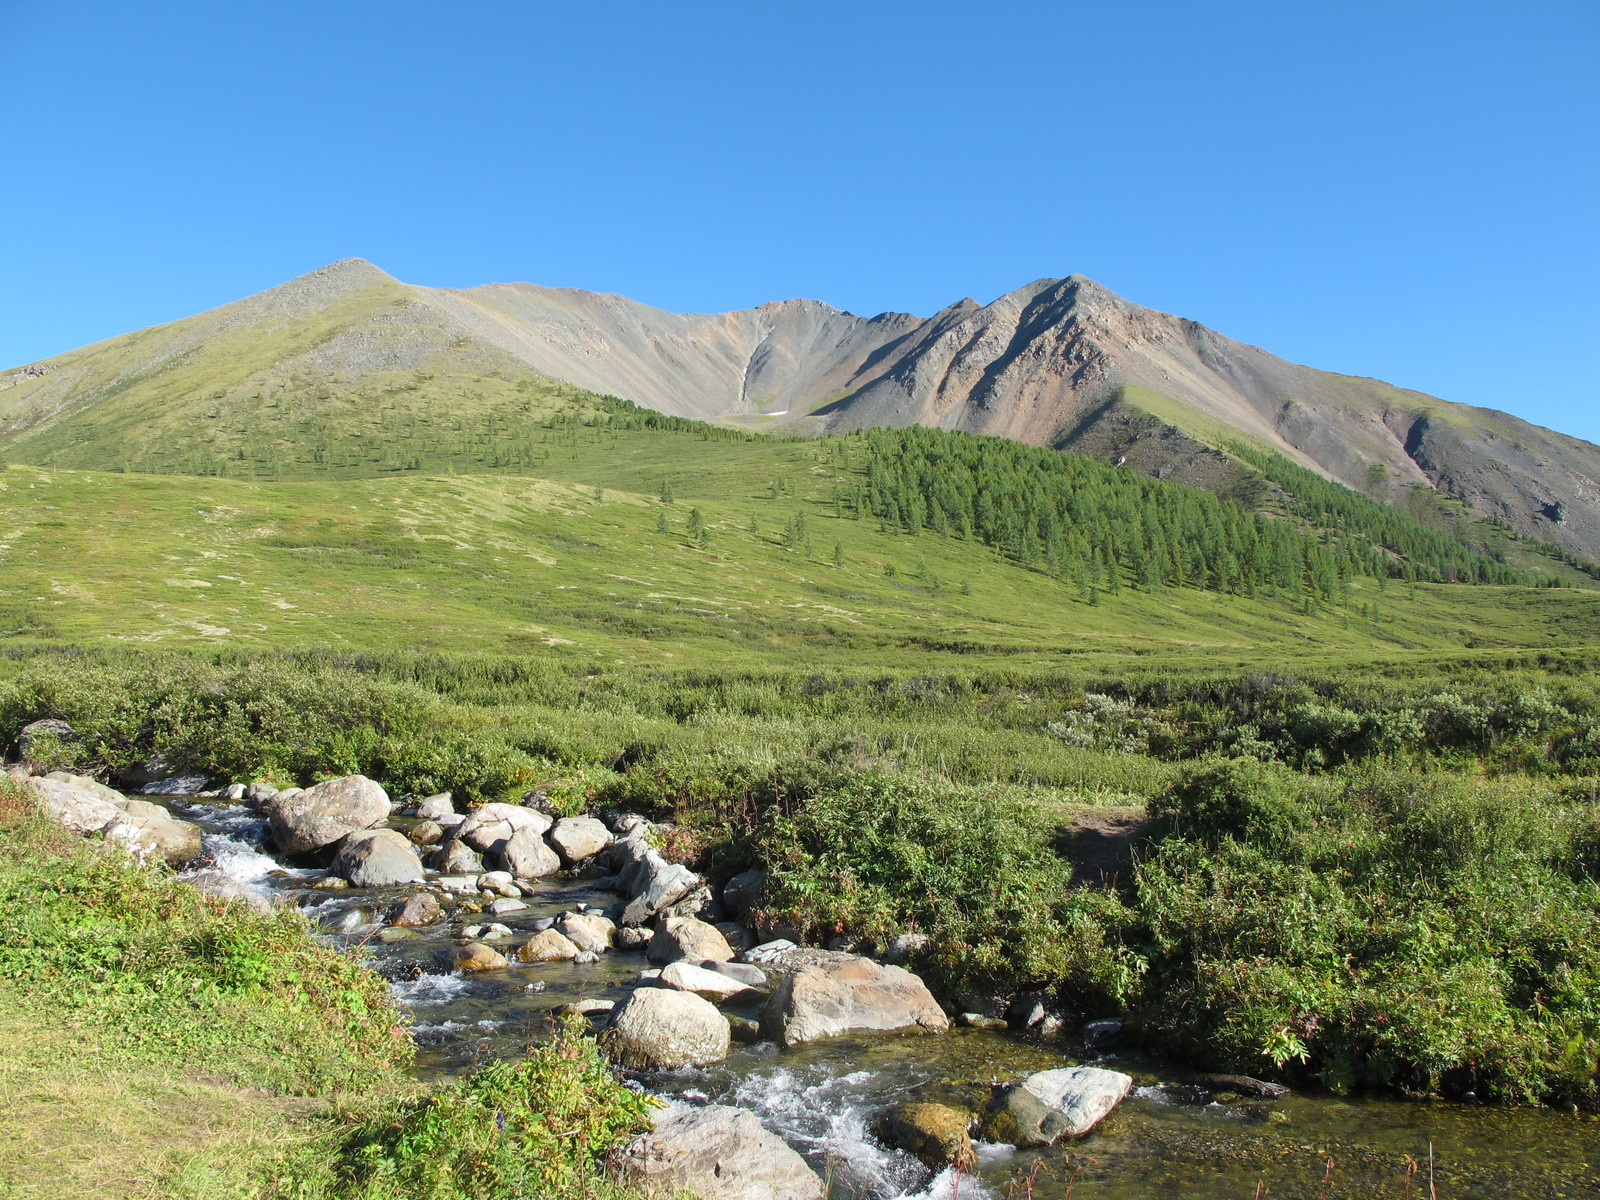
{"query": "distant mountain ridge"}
(1059, 362)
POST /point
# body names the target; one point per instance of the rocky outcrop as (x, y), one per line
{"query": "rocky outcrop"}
(1051, 1105)
(46, 743)
(717, 1153)
(304, 821)
(148, 831)
(657, 1029)
(849, 994)
(79, 809)
(377, 858)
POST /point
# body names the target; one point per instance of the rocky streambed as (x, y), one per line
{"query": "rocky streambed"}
(808, 1071)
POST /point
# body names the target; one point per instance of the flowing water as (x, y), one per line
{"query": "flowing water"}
(1168, 1139)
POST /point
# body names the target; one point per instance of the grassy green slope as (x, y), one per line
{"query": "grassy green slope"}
(542, 566)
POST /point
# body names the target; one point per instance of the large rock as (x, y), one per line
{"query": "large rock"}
(456, 858)
(845, 995)
(686, 937)
(377, 858)
(310, 819)
(935, 1133)
(490, 826)
(687, 977)
(475, 956)
(1054, 1104)
(717, 1153)
(434, 807)
(527, 856)
(656, 1029)
(656, 884)
(150, 831)
(84, 783)
(578, 838)
(419, 910)
(586, 931)
(743, 891)
(79, 809)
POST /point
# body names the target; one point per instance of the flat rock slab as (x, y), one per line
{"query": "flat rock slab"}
(846, 996)
(717, 1153)
(1051, 1105)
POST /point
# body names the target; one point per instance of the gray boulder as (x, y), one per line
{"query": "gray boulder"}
(434, 807)
(578, 838)
(189, 783)
(490, 826)
(586, 931)
(258, 793)
(684, 976)
(456, 858)
(377, 858)
(307, 820)
(717, 1153)
(700, 903)
(686, 938)
(656, 1030)
(743, 891)
(658, 884)
(526, 854)
(79, 809)
(849, 994)
(1050, 1105)
(149, 831)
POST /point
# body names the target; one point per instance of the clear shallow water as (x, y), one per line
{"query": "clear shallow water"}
(822, 1098)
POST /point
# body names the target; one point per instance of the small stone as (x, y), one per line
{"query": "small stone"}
(585, 957)
(459, 885)
(426, 833)
(496, 930)
(472, 932)
(330, 883)
(233, 792)
(974, 1020)
(504, 905)
(395, 933)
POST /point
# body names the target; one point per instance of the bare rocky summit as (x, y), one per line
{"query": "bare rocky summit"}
(1059, 362)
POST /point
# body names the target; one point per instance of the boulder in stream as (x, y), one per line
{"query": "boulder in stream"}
(1050, 1105)
(488, 827)
(548, 946)
(434, 807)
(934, 1133)
(682, 976)
(654, 884)
(656, 1030)
(377, 858)
(578, 838)
(717, 1153)
(586, 931)
(845, 994)
(150, 831)
(687, 938)
(419, 910)
(307, 820)
(526, 854)
(475, 956)
(456, 858)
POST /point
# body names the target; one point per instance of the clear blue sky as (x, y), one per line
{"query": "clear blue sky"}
(1406, 190)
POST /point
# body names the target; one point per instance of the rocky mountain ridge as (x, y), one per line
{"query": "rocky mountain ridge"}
(1059, 362)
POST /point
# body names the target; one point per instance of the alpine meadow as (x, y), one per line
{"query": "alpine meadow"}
(1160, 741)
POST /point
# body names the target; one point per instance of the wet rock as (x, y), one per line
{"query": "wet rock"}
(419, 910)
(149, 831)
(475, 956)
(377, 858)
(457, 885)
(934, 1133)
(743, 892)
(330, 883)
(1244, 1085)
(974, 1020)
(490, 827)
(528, 856)
(1098, 1035)
(188, 784)
(457, 858)
(548, 946)
(395, 933)
(426, 833)
(586, 1008)
(745, 1031)
(843, 996)
(656, 1029)
(586, 931)
(434, 807)
(578, 838)
(685, 937)
(1051, 1105)
(901, 949)
(585, 957)
(309, 820)
(224, 887)
(686, 977)
(717, 1153)
(506, 905)
(540, 924)
(79, 809)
